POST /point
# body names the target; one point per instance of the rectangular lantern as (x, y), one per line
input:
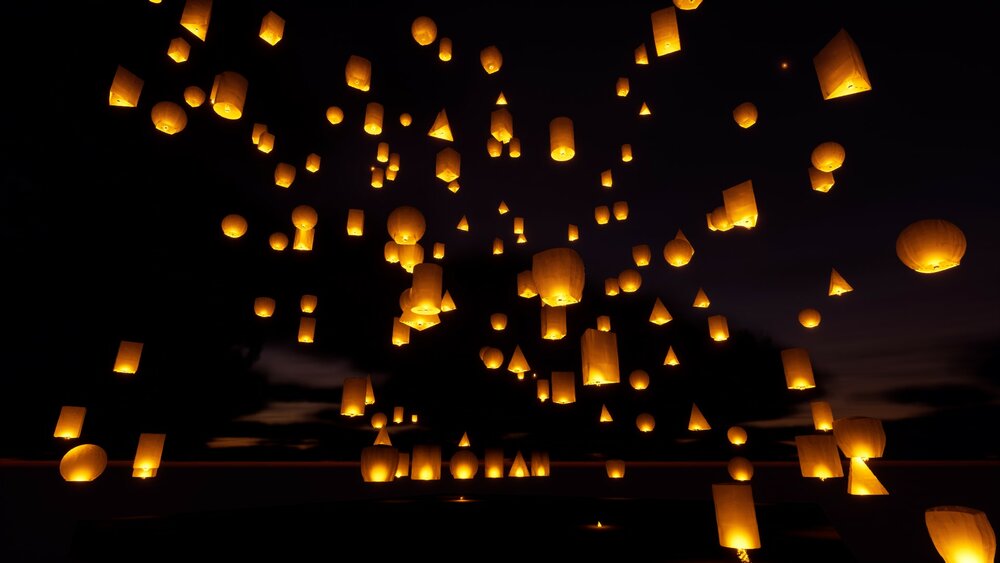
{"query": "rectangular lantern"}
(125, 89)
(822, 415)
(798, 369)
(839, 68)
(494, 463)
(400, 333)
(599, 354)
(666, 36)
(272, 28)
(819, 456)
(307, 330)
(127, 360)
(355, 222)
(543, 390)
(740, 205)
(147, 455)
(563, 387)
(352, 401)
(303, 239)
(735, 515)
(553, 322)
(718, 328)
(70, 422)
(358, 73)
(195, 17)
(426, 463)
(540, 464)
(449, 164)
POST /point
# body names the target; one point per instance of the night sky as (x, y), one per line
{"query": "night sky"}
(112, 228)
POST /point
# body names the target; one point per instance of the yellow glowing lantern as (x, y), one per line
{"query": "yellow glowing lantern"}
(195, 17)
(278, 241)
(519, 468)
(405, 119)
(542, 390)
(809, 318)
(418, 321)
(620, 210)
(572, 233)
(424, 31)
(168, 118)
(687, 4)
(355, 222)
(194, 96)
(403, 466)
(265, 143)
(70, 422)
(860, 437)
(493, 464)
(961, 534)
(641, 255)
(645, 422)
(492, 357)
(562, 145)
(406, 225)
(518, 363)
(606, 179)
(263, 306)
(312, 162)
(641, 58)
(494, 147)
(861, 481)
(621, 87)
(798, 369)
(304, 217)
(838, 285)
(379, 420)
(671, 358)
(660, 315)
(83, 463)
(352, 402)
(818, 457)
(745, 115)
(514, 148)
(463, 465)
(441, 129)
(626, 153)
(599, 355)
(930, 246)
(822, 414)
(125, 89)
(718, 220)
(604, 323)
(229, 93)
(678, 252)
(644, 109)
(697, 422)
(553, 322)
(400, 333)
(605, 415)
(491, 59)
(397, 415)
(449, 164)
(447, 303)
(639, 379)
(380, 463)
(393, 161)
(409, 255)
(737, 435)
(736, 517)
(558, 276)
(629, 281)
(382, 152)
(602, 214)
(444, 49)
(666, 36)
(540, 465)
(740, 469)
(358, 73)
(414, 418)
(502, 125)
(272, 28)
(498, 321)
(307, 330)
(701, 300)
(147, 455)
(840, 69)
(615, 468)
(382, 438)
(425, 296)
(463, 224)
(391, 252)
(821, 181)
(828, 156)
(127, 360)
(453, 186)
(374, 112)
(303, 240)
(284, 175)
(741, 207)
(308, 303)
(179, 50)
(563, 387)
(334, 115)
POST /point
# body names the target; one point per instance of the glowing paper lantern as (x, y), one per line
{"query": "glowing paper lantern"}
(304, 217)
(272, 28)
(626, 153)
(358, 73)
(558, 276)
(838, 285)
(519, 468)
(312, 162)
(621, 87)
(303, 240)
(641, 255)
(307, 330)
(263, 307)
(355, 222)
(671, 358)
(930, 246)
(572, 233)
(822, 415)
(463, 465)
(278, 241)
(514, 148)
(352, 401)
(687, 4)
(606, 180)
(540, 465)
(697, 422)
(229, 93)
(839, 68)
(818, 456)
(553, 322)
(562, 145)
(638, 379)
(605, 415)
(449, 164)
(334, 115)
(168, 118)
(718, 220)
(424, 31)
(518, 363)
(809, 318)
(629, 281)
(615, 468)
(394, 162)
(265, 143)
(374, 113)
(148, 455)
(194, 96)
(563, 387)
(418, 321)
(406, 225)
(425, 296)
(735, 516)
(397, 415)
(83, 463)
(492, 357)
(400, 333)
(405, 119)
(737, 436)
(502, 125)
(861, 481)
(645, 422)
(740, 469)
(678, 252)
(426, 463)
(542, 390)
(620, 210)
(491, 59)
(741, 207)
(961, 534)
(127, 360)
(602, 214)
(860, 437)
(745, 115)
(284, 175)
(444, 49)
(403, 467)
(379, 463)
(599, 355)
(701, 300)
(70, 422)
(307, 304)
(666, 36)
(641, 58)
(821, 181)
(179, 50)
(604, 323)
(391, 252)
(379, 420)
(463, 224)
(798, 369)
(377, 177)
(828, 156)
(660, 315)
(441, 129)
(382, 438)
(718, 329)
(125, 89)
(644, 110)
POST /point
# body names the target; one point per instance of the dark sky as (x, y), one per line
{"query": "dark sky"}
(112, 228)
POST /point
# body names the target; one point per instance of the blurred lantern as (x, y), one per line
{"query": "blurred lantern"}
(414, 418)
(735, 517)
(179, 50)
(828, 156)
(491, 59)
(620, 210)
(424, 31)
(493, 463)
(606, 179)
(379, 463)
(278, 241)
(390, 175)
(382, 438)
(125, 89)
(626, 153)
(604, 323)
(463, 224)
(718, 328)
(265, 143)
(441, 129)
(498, 321)
(425, 296)
(602, 214)
(352, 402)
(540, 465)
(463, 465)
(406, 225)
(666, 37)
(494, 147)
(444, 49)
(464, 441)
(397, 415)
(127, 360)
(379, 420)
(497, 246)
(822, 415)
(501, 100)
(405, 119)
(514, 148)
(861, 481)
(410, 255)
(304, 240)
(369, 391)
(961, 534)
(740, 469)
(798, 369)
(358, 74)
(701, 300)
(563, 387)
(660, 315)
(194, 96)
(645, 422)
(447, 303)
(449, 164)
(147, 455)
(168, 118)
(491, 357)
(638, 379)
(644, 110)
(304, 217)
(562, 145)
(558, 275)
(307, 330)
(502, 125)
(312, 162)
(930, 246)
(809, 318)
(382, 152)
(678, 252)
(572, 233)
(599, 354)
(687, 4)
(394, 161)
(553, 322)
(640, 55)
(83, 463)
(615, 468)
(838, 285)
(860, 437)
(741, 207)
(334, 115)
(605, 415)
(542, 390)
(374, 112)
(400, 333)
(284, 175)
(839, 68)
(745, 115)
(641, 255)
(391, 252)
(629, 281)
(671, 358)
(518, 363)
(818, 456)
(453, 186)
(263, 306)
(621, 87)
(229, 93)
(70, 422)
(697, 422)
(519, 468)
(272, 28)
(355, 222)
(518, 225)
(308, 303)
(737, 435)
(195, 17)
(821, 181)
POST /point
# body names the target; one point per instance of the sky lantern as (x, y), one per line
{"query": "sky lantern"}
(518, 225)
(666, 37)
(718, 328)
(391, 252)
(961, 534)
(127, 360)
(718, 220)
(83, 463)
(641, 58)
(492, 357)
(737, 436)
(671, 358)
(605, 415)
(195, 17)
(334, 115)
(463, 465)
(563, 387)
(312, 162)
(494, 148)
(822, 414)
(697, 422)
(740, 469)
(604, 323)
(424, 31)
(860, 437)
(687, 4)
(358, 73)
(449, 164)
(615, 468)
(558, 275)
(621, 87)
(809, 318)
(526, 286)
(839, 68)
(125, 89)
(441, 128)
(553, 322)
(148, 455)
(819, 457)
(931, 246)
(514, 148)
(678, 251)
(397, 415)
(374, 112)
(444, 49)
(599, 356)
(425, 296)
(356, 222)
(701, 300)
(406, 225)
(303, 240)
(447, 303)
(607, 180)
(263, 306)
(418, 321)
(629, 281)
(463, 224)
(502, 125)
(493, 463)
(379, 463)
(194, 96)
(307, 330)
(745, 115)
(400, 333)
(820, 181)
(179, 50)
(736, 517)
(542, 390)
(519, 468)
(798, 369)
(644, 109)
(626, 153)
(602, 214)
(426, 463)
(382, 152)
(168, 118)
(491, 59)
(379, 420)
(501, 100)
(660, 315)
(838, 285)
(394, 162)
(229, 93)
(70, 422)
(562, 145)
(498, 321)
(572, 233)
(464, 441)
(278, 241)
(304, 217)
(272, 28)
(741, 207)
(284, 175)
(861, 481)
(638, 379)
(352, 402)
(540, 464)
(828, 156)
(641, 255)
(405, 119)
(518, 363)
(409, 255)
(645, 422)
(620, 210)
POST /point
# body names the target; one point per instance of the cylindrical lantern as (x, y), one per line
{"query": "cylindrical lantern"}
(697, 422)
(382, 152)
(518, 225)
(607, 180)
(379, 463)
(638, 379)
(542, 390)
(234, 226)
(641, 255)
(740, 469)
(494, 464)
(563, 387)
(860, 437)
(626, 153)
(352, 402)
(615, 468)
(70, 422)
(572, 233)
(818, 456)
(374, 113)
(558, 274)
(307, 330)
(409, 256)
(194, 96)
(263, 306)
(930, 246)
(127, 360)
(438, 252)
(828, 156)
(645, 422)
(229, 93)
(83, 463)
(540, 466)
(678, 252)
(147, 455)
(798, 369)
(391, 252)
(425, 296)
(168, 118)
(599, 353)
(562, 145)
(491, 59)
(611, 287)
(444, 49)
(498, 321)
(518, 468)
(621, 87)
(514, 148)
(284, 175)
(553, 322)
(718, 328)
(745, 115)
(602, 214)
(629, 281)
(809, 318)
(492, 357)
(406, 225)
(518, 363)
(278, 241)
(447, 303)
(424, 31)
(426, 463)
(660, 315)
(463, 465)
(400, 333)
(961, 534)
(737, 436)
(497, 246)
(822, 415)
(358, 74)
(604, 323)
(620, 210)
(735, 515)
(334, 115)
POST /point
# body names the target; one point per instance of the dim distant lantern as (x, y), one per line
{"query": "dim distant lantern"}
(741, 207)
(621, 87)
(735, 516)
(678, 252)
(498, 321)
(374, 112)
(502, 125)
(308, 303)
(563, 387)
(629, 281)
(607, 180)
(494, 147)
(809, 318)
(745, 115)
(645, 422)
(278, 241)
(641, 58)
(626, 153)
(125, 89)
(620, 210)
(737, 436)
(454, 186)
(822, 415)
(798, 369)
(644, 110)
(602, 214)
(444, 49)
(491, 59)
(861, 481)
(424, 31)
(463, 465)
(514, 148)
(638, 379)
(394, 161)
(379, 420)
(265, 143)
(195, 17)
(83, 463)
(147, 455)
(70, 422)
(334, 115)
(426, 463)
(615, 468)
(414, 418)
(666, 37)
(697, 422)
(540, 465)
(493, 463)
(542, 390)
(391, 252)
(406, 225)
(701, 300)
(860, 437)
(687, 4)
(229, 93)
(312, 162)
(961, 534)
(449, 164)
(838, 285)
(605, 415)
(553, 322)
(562, 145)
(168, 118)
(518, 467)
(604, 323)
(403, 466)
(718, 220)
(352, 402)
(382, 152)
(447, 303)
(660, 315)
(405, 119)
(304, 217)
(358, 73)
(671, 358)
(356, 222)
(828, 156)
(599, 355)
(194, 96)
(272, 28)
(397, 415)
(518, 225)
(263, 306)
(641, 255)
(930, 246)
(380, 464)
(818, 456)
(179, 50)
(518, 363)
(377, 177)
(492, 357)
(304, 240)
(441, 129)
(410, 255)
(820, 181)
(463, 224)
(501, 100)
(284, 175)
(127, 360)
(839, 68)
(718, 328)
(558, 276)
(307, 330)
(740, 469)
(400, 333)
(425, 296)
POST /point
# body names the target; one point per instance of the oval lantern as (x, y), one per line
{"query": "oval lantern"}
(629, 281)
(334, 115)
(645, 422)
(961, 534)
(194, 96)
(85, 462)
(828, 157)
(678, 252)
(639, 379)
(379, 463)
(304, 217)
(930, 246)
(740, 469)
(168, 118)
(615, 468)
(229, 93)
(263, 307)
(491, 59)
(737, 436)
(809, 318)
(745, 115)
(860, 437)
(424, 31)
(464, 464)
(234, 226)
(406, 225)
